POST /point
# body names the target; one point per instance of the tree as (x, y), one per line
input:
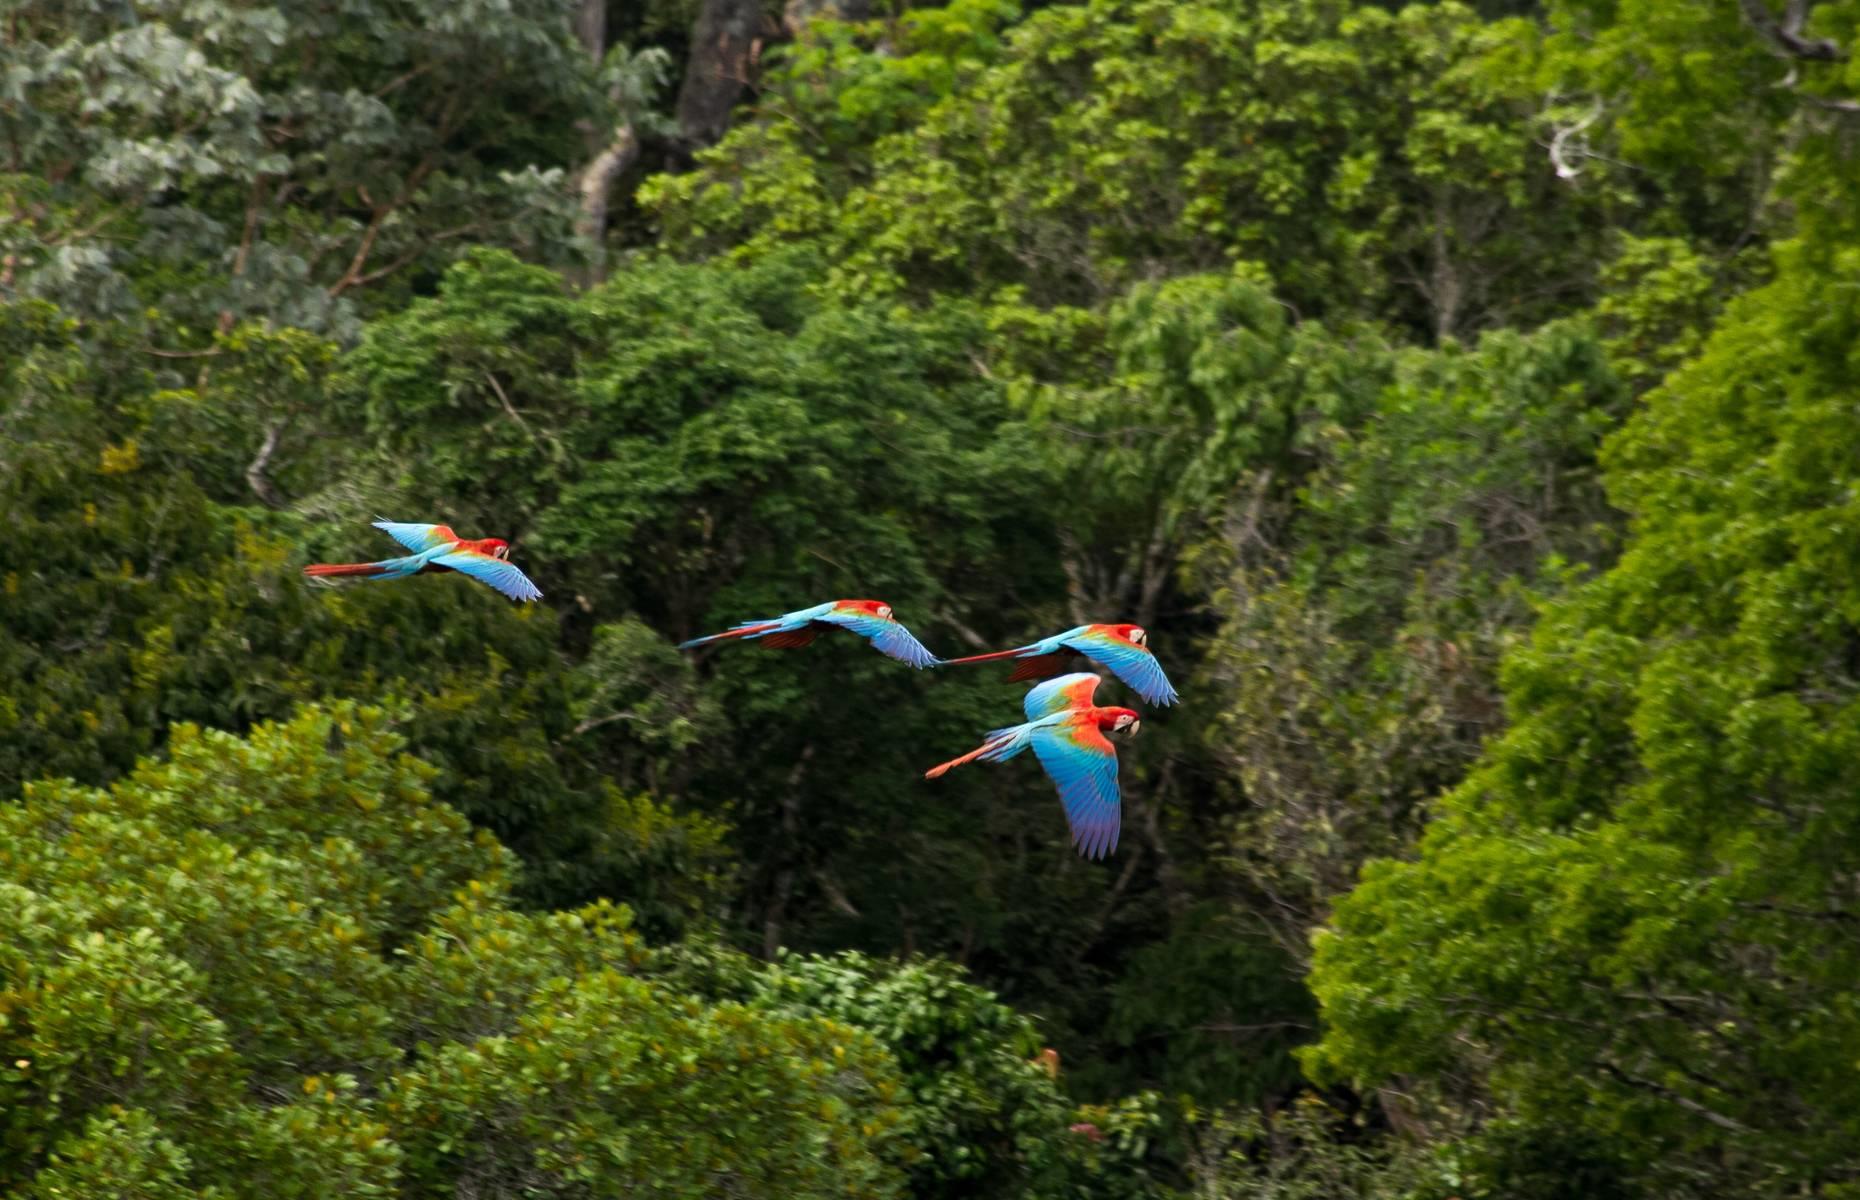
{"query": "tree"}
(1633, 917)
(1112, 142)
(1360, 661)
(300, 164)
(147, 600)
(276, 965)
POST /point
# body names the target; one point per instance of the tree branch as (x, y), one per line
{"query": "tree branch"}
(505, 400)
(593, 723)
(835, 894)
(1785, 34)
(1668, 1094)
(354, 276)
(244, 254)
(418, 249)
(255, 470)
(975, 640)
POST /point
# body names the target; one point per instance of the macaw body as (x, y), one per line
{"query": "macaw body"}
(1121, 649)
(1065, 730)
(870, 619)
(437, 548)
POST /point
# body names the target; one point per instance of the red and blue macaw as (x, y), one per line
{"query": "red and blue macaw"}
(870, 619)
(1066, 730)
(1122, 649)
(437, 548)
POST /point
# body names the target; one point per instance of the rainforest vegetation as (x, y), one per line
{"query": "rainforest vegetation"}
(1465, 396)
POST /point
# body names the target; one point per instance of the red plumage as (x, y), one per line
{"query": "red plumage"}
(1040, 666)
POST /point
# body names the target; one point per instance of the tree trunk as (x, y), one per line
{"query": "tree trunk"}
(609, 161)
(591, 28)
(597, 179)
(724, 42)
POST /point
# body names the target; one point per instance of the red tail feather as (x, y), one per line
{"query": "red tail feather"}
(943, 768)
(730, 634)
(788, 641)
(320, 569)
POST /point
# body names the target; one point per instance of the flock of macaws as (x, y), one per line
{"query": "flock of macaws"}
(1065, 728)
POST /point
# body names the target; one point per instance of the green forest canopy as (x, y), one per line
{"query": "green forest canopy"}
(1464, 396)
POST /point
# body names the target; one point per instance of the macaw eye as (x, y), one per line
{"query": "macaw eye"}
(1139, 637)
(884, 610)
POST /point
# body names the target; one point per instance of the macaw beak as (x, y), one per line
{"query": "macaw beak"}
(1134, 726)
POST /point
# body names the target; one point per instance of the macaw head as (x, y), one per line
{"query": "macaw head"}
(1120, 720)
(496, 547)
(876, 608)
(1134, 634)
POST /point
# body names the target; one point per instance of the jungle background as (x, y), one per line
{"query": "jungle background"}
(1465, 396)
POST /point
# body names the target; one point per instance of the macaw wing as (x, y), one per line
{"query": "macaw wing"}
(503, 576)
(1083, 764)
(1057, 695)
(417, 537)
(890, 637)
(1135, 665)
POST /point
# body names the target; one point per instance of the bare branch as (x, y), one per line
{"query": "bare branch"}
(975, 640)
(508, 408)
(1785, 34)
(1686, 1102)
(405, 78)
(255, 470)
(253, 205)
(354, 276)
(835, 894)
(593, 723)
(1567, 140)
(418, 249)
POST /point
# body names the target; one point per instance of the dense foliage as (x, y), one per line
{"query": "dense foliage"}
(1463, 396)
(279, 967)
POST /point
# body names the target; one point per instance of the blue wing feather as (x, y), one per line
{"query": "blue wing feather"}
(1083, 764)
(890, 637)
(1135, 665)
(496, 572)
(416, 537)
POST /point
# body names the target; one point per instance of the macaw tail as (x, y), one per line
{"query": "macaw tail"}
(319, 570)
(942, 769)
(751, 629)
(950, 662)
(1001, 743)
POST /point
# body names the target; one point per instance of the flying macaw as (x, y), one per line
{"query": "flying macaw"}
(1123, 649)
(870, 619)
(1066, 730)
(437, 548)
